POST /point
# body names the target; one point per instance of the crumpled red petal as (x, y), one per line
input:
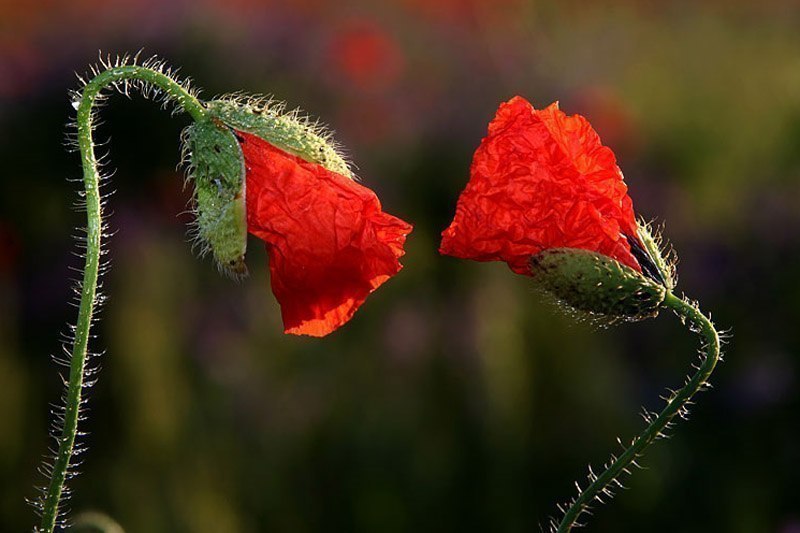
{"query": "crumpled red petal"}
(539, 180)
(329, 243)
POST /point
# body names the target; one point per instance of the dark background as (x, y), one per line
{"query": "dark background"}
(455, 400)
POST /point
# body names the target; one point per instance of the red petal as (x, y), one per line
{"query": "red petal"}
(328, 241)
(539, 180)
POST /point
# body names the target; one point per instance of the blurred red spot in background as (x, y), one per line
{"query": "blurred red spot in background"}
(609, 115)
(365, 55)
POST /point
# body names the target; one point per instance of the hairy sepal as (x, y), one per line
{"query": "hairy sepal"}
(216, 167)
(291, 131)
(660, 252)
(596, 284)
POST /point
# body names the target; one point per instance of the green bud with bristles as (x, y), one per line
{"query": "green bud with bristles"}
(597, 284)
(216, 166)
(290, 131)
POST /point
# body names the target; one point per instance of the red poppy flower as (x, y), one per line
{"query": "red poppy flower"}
(541, 179)
(329, 243)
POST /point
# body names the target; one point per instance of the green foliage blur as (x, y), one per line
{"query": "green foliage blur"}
(456, 399)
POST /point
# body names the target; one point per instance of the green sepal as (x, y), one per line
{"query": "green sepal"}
(653, 243)
(216, 166)
(597, 284)
(290, 131)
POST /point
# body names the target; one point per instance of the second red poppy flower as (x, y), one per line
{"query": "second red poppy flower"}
(547, 197)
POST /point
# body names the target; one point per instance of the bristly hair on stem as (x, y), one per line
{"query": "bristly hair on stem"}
(123, 74)
(602, 486)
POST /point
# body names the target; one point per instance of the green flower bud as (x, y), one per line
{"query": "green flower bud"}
(597, 284)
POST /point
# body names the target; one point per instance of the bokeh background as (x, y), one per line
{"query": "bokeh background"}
(455, 400)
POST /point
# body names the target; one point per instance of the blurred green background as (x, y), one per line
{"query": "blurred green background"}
(455, 400)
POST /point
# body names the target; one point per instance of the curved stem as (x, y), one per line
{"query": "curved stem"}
(94, 229)
(676, 404)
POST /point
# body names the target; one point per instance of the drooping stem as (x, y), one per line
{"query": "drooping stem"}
(676, 404)
(173, 91)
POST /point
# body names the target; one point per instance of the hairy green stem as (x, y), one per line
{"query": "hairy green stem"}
(94, 229)
(676, 404)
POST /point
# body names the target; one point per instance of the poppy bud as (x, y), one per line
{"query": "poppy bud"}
(216, 165)
(597, 284)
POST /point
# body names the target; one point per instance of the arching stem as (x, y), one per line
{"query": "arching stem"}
(94, 229)
(676, 404)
